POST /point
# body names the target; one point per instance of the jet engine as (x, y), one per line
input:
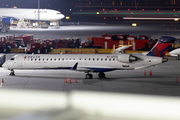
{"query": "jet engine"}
(7, 21)
(127, 58)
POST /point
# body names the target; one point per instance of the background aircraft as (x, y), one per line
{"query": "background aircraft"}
(8, 14)
(87, 63)
(175, 53)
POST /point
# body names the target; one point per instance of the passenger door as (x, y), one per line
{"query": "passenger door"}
(19, 61)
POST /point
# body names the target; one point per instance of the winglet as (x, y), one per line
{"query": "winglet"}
(75, 66)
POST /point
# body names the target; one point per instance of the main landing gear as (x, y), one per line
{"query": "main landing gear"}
(90, 76)
(101, 75)
(12, 72)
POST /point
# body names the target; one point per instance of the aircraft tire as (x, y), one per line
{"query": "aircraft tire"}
(101, 75)
(89, 76)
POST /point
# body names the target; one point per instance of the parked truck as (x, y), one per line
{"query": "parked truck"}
(108, 41)
(38, 46)
(6, 44)
(21, 40)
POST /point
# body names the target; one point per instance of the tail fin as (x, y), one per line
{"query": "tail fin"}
(161, 47)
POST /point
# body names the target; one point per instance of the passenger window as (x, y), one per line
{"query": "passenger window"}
(54, 59)
(113, 59)
(31, 59)
(74, 58)
(93, 59)
(84, 58)
(89, 58)
(59, 59)
(79, 58)
(69, 58)
(39, 59)
(47, 59)
(97, 59)
(43, 59)
(51, 59)
(105, 59)
(110, 59)
(63, 59)
(101, 59)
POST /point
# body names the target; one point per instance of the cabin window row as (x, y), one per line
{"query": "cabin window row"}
(62, 59)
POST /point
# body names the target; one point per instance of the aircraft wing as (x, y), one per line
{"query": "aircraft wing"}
(98, 69)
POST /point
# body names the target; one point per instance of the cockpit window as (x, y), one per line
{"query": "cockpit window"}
(58, 13)
(12, 58)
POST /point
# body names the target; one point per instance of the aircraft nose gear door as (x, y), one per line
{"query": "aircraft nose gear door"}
(19, 61)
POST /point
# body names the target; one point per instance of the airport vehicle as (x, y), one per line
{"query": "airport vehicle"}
(87, 63)
(23, 39)
(6, 44)
(108, 41)
(43, 46)
(37, 46)
(8, 14)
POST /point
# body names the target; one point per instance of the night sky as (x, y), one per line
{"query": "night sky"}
(62, 5)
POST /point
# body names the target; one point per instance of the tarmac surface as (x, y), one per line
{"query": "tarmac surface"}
(83, 31)
(162, 82)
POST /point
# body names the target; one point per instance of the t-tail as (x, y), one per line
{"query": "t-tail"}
(161, 47)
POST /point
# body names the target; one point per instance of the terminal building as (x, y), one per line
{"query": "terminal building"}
(115, 10)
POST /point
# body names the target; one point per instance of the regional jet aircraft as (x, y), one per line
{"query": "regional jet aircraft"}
(8, 14)
(87, 63)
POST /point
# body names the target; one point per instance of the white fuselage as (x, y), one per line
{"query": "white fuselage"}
(31, 14)
(175, 52)
(85, 62)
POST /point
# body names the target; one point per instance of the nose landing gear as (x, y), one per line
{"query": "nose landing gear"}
(12, 72)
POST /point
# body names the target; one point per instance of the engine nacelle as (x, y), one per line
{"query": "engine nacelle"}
(7, 21)
(126, 58)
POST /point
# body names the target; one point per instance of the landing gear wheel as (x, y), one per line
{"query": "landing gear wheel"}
(101, 75)
(12, 72)
(89, 76)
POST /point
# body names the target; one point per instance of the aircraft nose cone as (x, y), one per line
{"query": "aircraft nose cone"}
(63, 16)
(4, 65)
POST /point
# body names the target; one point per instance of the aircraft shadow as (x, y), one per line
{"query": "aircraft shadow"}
(139, 79)
(151, 80)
